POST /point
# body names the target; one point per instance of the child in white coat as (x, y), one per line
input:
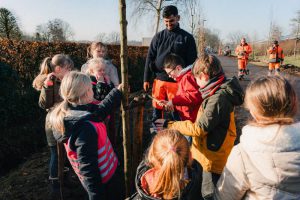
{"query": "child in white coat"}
(266, 163)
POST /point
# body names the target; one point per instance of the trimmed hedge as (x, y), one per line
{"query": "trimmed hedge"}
(21, 120)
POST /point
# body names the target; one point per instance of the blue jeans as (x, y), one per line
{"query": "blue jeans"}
(53, 164)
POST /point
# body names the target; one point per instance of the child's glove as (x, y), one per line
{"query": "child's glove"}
(169, 106)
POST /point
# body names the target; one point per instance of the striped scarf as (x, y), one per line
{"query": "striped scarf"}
(212, 86)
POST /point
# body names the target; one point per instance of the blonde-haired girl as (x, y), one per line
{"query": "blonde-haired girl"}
(52, 71)
(101, 82)
(99, 50)
(80, 123)
(167, 172)
(266, 163)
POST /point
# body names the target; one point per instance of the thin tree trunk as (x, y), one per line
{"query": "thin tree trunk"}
(158, 9)
(296, 41)
(138, 133)
(125, 113)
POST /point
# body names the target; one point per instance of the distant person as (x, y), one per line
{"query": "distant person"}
(80, 125)
(171, 40)
(99, 50)
(242, 51)
(52, 71)
(276, 58)
(101, 82)
(168, 171)
(266, 162)
(188, 98)
(214, 131)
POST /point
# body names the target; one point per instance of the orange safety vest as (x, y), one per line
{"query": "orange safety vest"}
(243, 51)
(276, 54)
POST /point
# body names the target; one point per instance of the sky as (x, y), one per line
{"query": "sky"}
(88, 18)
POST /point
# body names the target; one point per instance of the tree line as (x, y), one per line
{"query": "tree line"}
(60, 30)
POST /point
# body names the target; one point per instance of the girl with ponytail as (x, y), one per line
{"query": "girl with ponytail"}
(168, 171)
(266, 162)
(52, 71)
(79, 124)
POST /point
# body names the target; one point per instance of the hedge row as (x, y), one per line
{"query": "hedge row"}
(21, 120)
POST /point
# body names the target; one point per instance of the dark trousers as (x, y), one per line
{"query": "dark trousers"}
(53, 164)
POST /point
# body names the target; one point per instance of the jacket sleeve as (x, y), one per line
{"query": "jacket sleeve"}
(270, 50)
(113, 99)
(249, 49)
(190, 96)
(191, 51)
(217, 109)
(187, 128)
(150, 60)
(233, 183)
(46, 99)
(86, 148)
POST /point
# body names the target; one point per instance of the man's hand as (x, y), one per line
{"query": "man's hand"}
(146, 86)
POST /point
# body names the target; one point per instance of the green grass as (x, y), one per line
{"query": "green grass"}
(287, 60)
(292, 60)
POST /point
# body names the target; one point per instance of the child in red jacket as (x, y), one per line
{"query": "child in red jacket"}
(188, 98)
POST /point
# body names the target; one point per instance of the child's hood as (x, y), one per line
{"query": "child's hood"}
(233, 91)
(183, 72)
(71, 123)
(73, 119)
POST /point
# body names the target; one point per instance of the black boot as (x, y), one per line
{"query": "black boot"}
(54, 188)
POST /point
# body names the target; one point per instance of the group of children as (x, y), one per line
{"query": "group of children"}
(265, 165)
(77, 105)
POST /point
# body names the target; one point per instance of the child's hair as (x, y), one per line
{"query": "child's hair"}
(93, 46)
(73, 87)
(172, 60)
(208, 64)
(169, 152)
(272, 100)
(93, 63)
(48, 65)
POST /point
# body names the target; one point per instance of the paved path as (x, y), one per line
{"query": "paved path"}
(230, 67)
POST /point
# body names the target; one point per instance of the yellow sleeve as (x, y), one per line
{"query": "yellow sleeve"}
(186, 128)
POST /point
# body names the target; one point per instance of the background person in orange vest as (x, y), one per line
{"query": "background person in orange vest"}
(276, 58)
(242, 51)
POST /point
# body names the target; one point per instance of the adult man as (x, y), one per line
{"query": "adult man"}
(173, 39)
(242, 51)
(276, 57)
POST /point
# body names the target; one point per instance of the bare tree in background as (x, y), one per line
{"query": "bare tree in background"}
(42, 33)
(101, 37)
(275, 32)
(141, 8)
(235, 38)
(192, 13)
(212, 39)
(54, 30)
(113, 38)
(296, 30)
(9, 27)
